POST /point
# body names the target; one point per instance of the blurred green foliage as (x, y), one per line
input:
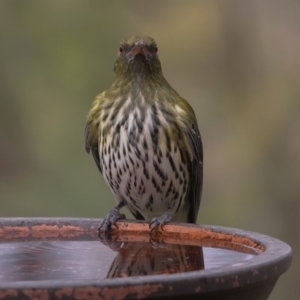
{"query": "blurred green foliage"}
(237, 62)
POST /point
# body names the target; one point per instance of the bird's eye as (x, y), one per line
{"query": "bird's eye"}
(155, 49)
(121, 49)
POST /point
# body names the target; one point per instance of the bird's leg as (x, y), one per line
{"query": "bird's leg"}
(112, 217)
(159, 222)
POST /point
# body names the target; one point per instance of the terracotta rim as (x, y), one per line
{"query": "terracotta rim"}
(274, 256)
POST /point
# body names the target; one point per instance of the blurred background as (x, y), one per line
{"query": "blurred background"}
(236, 62)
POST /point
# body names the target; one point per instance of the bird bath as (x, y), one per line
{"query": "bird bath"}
(64, 259)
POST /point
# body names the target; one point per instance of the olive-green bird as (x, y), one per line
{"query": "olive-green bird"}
(145, 141)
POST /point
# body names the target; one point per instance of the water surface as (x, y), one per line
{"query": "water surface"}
(46, 259)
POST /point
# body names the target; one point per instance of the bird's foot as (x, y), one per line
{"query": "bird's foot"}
(111, 218)
(158, 222)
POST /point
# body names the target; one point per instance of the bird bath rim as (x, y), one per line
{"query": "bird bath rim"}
(272, 261)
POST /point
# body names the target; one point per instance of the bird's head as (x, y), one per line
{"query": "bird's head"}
(137, 56)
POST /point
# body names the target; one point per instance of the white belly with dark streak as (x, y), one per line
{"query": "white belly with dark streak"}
(149, 178)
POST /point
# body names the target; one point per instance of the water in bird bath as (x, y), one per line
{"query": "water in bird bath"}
(93, 259)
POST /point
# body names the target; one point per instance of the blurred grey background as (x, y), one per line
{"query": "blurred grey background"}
(236, 62)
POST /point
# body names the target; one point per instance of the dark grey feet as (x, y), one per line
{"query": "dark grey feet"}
(111, 218)
(159, 222)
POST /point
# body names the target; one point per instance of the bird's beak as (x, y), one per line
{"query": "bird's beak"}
(139, 48)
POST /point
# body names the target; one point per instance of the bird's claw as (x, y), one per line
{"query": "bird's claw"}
(111, 218)
(158, 222)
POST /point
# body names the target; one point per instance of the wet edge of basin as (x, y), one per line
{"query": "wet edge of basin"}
(274, 259)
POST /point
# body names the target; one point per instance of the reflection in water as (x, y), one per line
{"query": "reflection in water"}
(141, 258)
(88, 259)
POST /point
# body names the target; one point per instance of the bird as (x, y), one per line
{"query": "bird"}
(145, 141)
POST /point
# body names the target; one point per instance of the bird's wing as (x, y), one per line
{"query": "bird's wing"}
(196, 171)
(91, 133)
(91, 145)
